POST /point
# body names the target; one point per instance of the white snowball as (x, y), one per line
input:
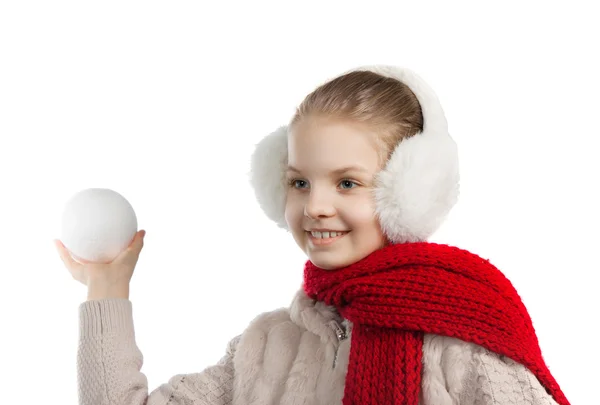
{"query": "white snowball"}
(97, 225)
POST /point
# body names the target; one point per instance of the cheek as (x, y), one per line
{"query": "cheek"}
(368, 236)
(293, 212)
(360, 212)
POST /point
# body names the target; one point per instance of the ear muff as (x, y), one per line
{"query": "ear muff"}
(267, 176)
(414, 192)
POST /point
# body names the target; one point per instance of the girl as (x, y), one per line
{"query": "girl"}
(363, 174)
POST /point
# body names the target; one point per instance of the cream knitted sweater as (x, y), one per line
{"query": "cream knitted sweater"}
(296, 355)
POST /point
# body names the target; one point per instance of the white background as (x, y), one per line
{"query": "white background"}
(164, 101)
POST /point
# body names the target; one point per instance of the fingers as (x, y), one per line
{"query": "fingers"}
(133, 251)
(138, 242)
(65, 256)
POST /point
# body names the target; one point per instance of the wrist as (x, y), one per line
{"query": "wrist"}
(100, 290)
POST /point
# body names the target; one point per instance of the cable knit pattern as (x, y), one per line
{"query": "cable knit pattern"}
(288, 356)
(109, 363)
(213, 386)
(495, 379)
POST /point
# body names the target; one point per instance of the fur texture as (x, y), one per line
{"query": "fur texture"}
(284, 357)
(267, 176)
(415, 191)
(289, 357)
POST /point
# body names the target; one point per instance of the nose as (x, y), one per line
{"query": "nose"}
(319, 205)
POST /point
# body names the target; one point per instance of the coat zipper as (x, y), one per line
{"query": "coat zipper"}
(341, 335)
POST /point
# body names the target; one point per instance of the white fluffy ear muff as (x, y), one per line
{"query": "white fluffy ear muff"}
(267, 176)
(415, 191)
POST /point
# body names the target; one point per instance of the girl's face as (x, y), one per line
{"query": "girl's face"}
(330, 207)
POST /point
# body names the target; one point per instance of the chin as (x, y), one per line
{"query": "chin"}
(328, 260)
(326, 265)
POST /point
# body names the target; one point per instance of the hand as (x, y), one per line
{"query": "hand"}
(117, 273)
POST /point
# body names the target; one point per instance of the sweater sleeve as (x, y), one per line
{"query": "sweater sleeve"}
(109, 363)
(498, 380)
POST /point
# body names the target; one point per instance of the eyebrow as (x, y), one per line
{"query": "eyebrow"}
(342, 170)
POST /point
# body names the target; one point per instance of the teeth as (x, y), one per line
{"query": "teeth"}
(322, 235)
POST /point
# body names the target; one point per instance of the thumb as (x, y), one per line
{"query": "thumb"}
(134, 249)
(138, 242)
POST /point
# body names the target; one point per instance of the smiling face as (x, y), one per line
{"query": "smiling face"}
(330, 207)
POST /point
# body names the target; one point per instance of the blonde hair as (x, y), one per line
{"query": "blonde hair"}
(386, 105)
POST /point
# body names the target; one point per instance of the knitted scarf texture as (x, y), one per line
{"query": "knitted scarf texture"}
(402, 291)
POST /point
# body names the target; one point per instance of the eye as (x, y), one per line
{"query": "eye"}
(347, 184)
(296, 183)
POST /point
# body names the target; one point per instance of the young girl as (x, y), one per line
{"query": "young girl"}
(363, 174)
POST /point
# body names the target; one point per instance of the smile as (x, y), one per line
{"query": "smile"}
(325, 238)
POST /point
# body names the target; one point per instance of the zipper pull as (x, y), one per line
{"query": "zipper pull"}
(341, 335)
(339, 331)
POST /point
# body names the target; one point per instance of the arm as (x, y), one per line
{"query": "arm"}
(498, 380)
(109, 364)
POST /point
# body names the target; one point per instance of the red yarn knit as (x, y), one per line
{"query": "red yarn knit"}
(402, 291)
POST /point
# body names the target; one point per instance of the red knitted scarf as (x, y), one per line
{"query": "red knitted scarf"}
(402, 291)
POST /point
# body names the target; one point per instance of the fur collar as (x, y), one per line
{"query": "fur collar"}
(317, 317)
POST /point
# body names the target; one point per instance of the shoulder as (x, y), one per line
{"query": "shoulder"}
(269, 338)
(266, 321)
(459, 372)
(273, 325)
(497, 379)
(447, 363)
(256, 332)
